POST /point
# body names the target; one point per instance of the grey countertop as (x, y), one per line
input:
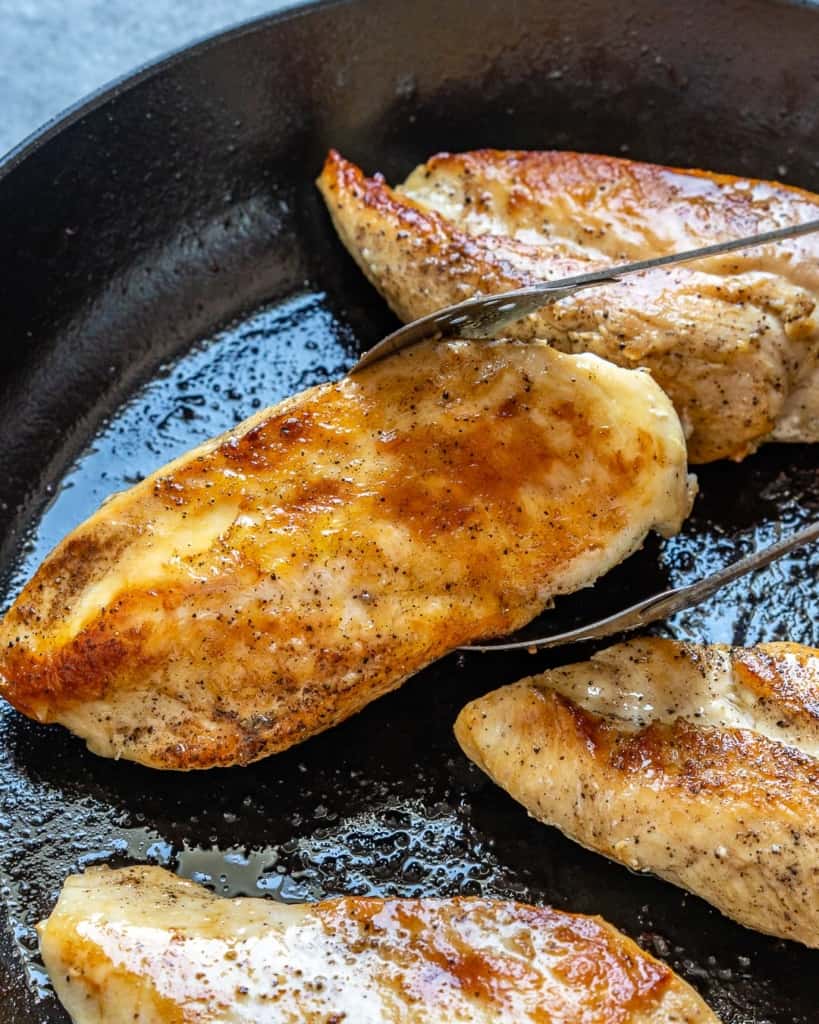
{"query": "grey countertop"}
(53, 52)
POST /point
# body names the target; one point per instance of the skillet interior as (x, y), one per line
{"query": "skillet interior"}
(182, 202)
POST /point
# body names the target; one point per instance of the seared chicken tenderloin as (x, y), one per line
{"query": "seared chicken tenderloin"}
(733, 340)
(699, 764)
(141, 944)
(272, 582)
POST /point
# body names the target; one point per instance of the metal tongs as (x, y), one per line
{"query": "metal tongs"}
(668, 602)
(486, 315)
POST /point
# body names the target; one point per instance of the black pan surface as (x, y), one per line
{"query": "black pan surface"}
(168, 268)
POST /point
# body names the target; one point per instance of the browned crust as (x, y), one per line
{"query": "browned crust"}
(607, 973)
(730, 393)
(682, 760)
(784, 675)
(228, 664)
(471, 262)
(514, 960)
(712, 202)
(728, 813)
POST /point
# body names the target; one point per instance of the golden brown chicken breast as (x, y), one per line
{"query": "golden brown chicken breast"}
(734, 341)
(274, 581)
(141, 944)
(696, 763)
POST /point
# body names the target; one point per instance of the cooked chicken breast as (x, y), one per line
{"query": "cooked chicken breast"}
(274, 581)
(696, 763)
(141, 944)
(734, 341)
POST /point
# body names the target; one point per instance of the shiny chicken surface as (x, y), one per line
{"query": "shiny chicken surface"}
(734, 341)
(274, 581)
(700, 764)
(139, 944)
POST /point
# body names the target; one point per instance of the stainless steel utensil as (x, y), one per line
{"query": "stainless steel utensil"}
(660, 606)
(486, 315)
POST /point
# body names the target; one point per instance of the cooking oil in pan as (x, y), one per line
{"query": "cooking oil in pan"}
(384, 804)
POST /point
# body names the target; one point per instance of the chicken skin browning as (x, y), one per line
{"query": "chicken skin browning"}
(699, 764)
(733, 340)
(141, 944)
(269, 584)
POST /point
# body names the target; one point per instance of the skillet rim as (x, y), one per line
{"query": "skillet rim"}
(141, 72)
(134, 76)
(51, 130)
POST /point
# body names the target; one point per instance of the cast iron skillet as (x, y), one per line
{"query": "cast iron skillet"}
(168, 268)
